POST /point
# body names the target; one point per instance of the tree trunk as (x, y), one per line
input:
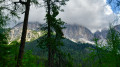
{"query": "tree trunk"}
(50, 61)
(24, 32)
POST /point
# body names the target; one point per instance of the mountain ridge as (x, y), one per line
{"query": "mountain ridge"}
(74, 32)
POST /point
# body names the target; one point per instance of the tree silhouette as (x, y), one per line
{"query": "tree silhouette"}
(24, 31)
(113, 40)
(53, 25)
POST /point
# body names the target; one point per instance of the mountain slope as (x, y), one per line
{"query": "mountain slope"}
(102, 35)
(81, 51)
(73, 32)
(77, 33)
(33, 31)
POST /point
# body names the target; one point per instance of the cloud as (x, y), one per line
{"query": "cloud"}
(108, 10)
(93, 14)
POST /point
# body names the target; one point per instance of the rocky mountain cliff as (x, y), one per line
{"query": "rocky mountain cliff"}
(78, 33)
(73, 32)
(32, 32)
(102, 35)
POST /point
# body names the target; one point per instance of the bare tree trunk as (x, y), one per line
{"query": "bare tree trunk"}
(24, 32)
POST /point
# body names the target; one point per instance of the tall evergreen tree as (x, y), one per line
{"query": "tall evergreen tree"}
(4, 18)
(53, 25)
(3, 21)
(98, 52)
(6, 14)
(113, 40)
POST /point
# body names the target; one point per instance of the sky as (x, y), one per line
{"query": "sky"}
(93, 14)
(114, 4)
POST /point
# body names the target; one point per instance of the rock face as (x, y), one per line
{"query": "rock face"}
(31, 26)
(73, 32)
(117, 27)
(102, 34)
(78, 33)
(32, 32)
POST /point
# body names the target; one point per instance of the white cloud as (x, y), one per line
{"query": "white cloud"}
(94, 14)
(108, 10)
(90, 13)
(104, 1)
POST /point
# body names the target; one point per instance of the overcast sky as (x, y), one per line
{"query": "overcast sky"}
(93, 14)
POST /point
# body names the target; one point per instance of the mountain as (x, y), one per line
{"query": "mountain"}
(79, 50)
(117, 27)
(31, 26)
(76, 33)
(77, 40)
(33, 31)
(68, 45)
(102, 35)
(73, 32)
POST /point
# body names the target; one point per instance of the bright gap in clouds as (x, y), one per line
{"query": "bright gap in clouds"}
(108, 10)
(93, 14)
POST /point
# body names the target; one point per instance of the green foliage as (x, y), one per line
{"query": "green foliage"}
(3, 19)
(113, 40)
(35, 2)
(8, 54)
(53, 43)
(5, 15)
(30, 60)
(106, 56)
(77, 52)
(3, 36)
(8, 11)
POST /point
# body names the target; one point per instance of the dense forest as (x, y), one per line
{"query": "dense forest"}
(54, 43)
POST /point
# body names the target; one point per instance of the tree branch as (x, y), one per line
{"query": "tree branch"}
(20, 1)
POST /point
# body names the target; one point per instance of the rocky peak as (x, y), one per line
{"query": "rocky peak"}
(32, 32)
(77, 32)
(73, 32)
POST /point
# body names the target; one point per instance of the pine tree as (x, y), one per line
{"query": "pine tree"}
(53, 25)
(4, 17)
(113, 40)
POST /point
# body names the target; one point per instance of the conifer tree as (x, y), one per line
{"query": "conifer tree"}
(113, 40)
(53, 25)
